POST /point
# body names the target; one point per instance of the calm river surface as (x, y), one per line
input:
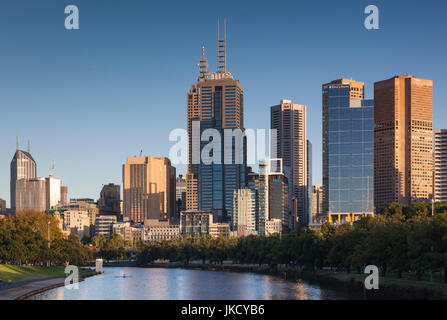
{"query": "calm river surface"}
(175, 284)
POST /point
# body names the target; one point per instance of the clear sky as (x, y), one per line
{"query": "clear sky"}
(89, 98)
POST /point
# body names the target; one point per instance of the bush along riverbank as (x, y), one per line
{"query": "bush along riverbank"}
(389, 287)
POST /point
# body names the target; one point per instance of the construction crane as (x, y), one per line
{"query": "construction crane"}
(52, 168)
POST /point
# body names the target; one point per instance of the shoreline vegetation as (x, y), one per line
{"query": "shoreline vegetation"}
(406, 243)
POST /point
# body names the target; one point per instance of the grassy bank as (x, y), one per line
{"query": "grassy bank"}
(16, 274)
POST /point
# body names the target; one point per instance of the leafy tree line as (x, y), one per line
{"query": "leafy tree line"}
(400, 239)
(24, 240)
(112, 248)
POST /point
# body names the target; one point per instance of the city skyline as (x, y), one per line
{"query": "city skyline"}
(75, 121)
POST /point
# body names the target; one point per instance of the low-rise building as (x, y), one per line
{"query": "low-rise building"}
(104, 225)
(219, 230)
(76, 222)
(273, 226)
(60, 222)
(2, 204)
(163, 231)
(91, 209)
(194, 222)
(128, 232)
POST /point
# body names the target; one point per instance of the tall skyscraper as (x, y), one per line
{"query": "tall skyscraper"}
(403, 129)
(148, 189)
(23, 166)
(109, 202)
(215, 107)
(441, 165)
(289, 120)
(347, 150)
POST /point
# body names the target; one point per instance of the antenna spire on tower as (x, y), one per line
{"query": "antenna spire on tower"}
(29, 147)
(17, 142)
(221, 49)
(203, 65)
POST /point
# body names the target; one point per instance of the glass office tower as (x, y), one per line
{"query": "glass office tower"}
(348, 144)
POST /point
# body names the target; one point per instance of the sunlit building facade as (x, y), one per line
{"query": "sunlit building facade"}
(148, 189)
(403, 138)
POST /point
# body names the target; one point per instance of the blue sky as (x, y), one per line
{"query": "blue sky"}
(89, 98)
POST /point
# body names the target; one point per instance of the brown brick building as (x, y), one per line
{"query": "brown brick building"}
(403, 134)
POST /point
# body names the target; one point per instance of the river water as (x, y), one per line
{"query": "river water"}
(177, 284)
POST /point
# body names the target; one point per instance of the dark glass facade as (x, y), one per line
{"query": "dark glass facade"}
(217, 181)
(348, 144)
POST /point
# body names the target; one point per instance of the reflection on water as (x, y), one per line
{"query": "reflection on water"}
(177, 284)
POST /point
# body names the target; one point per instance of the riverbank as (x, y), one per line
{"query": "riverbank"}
(11, 274)
(32, 282)
(389, 287)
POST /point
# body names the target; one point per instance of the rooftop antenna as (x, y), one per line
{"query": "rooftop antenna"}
(17, 142)
(29, 147)
(203, 65)
(221, 49)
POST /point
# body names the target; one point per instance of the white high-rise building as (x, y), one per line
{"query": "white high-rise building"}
(53, 191)
(289, 120)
